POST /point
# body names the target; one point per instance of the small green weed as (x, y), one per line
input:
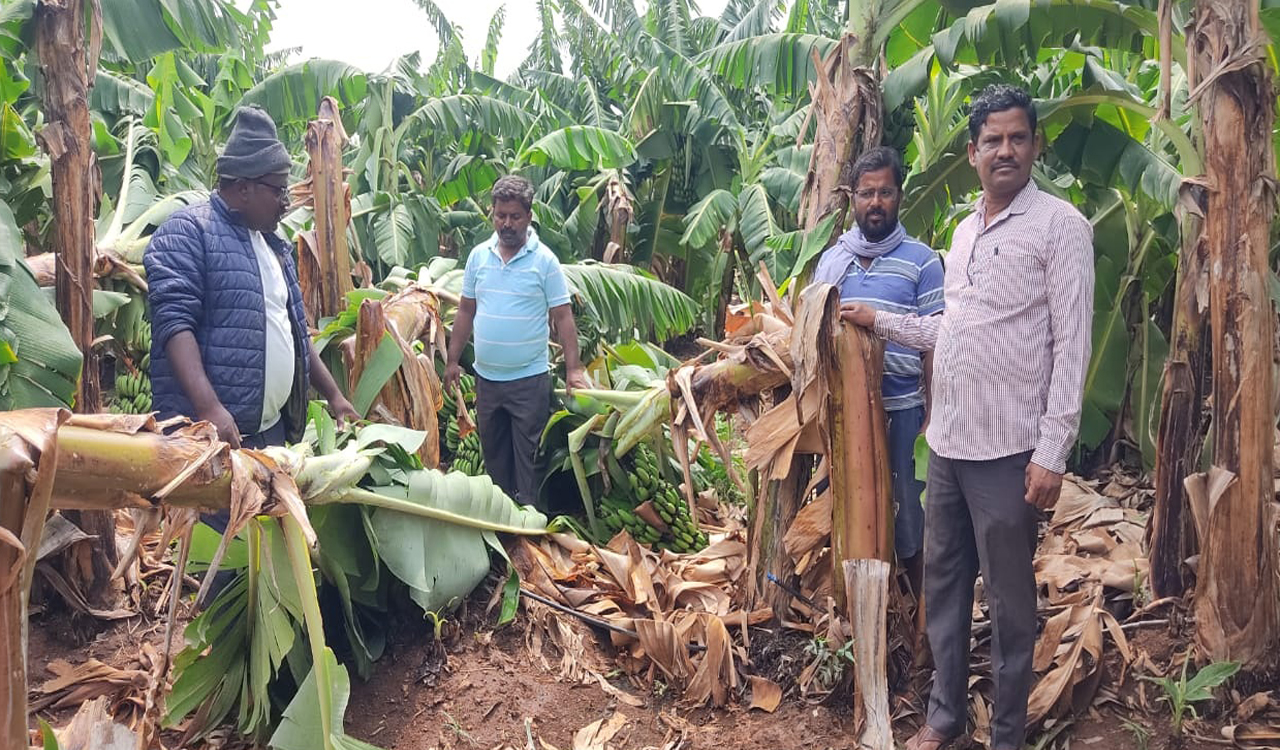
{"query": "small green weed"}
(1182, 694)
(831, 664)
(1141, 735)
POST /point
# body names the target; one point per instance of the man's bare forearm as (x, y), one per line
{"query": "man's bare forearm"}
(567, 335)
(321, 379)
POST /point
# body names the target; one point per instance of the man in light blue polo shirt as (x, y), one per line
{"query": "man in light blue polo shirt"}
(877, 264)
(512, 288)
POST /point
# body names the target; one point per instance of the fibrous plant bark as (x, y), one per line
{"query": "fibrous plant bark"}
(861, 486)
(846, 112)
(324, 257)
(412, 395)
(1180, 435)
(867, 582)
(68, 49)
(1237, 604)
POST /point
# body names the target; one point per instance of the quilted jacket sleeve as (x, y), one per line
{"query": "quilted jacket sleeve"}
(175, 267)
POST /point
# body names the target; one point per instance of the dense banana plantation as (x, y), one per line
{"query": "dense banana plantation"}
(683, 164)
(674, 142)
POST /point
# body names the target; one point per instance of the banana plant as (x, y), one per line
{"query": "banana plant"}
(39, 363)
(380, 520)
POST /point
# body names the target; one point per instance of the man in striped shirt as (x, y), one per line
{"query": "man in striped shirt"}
(875, 263)
(1010, 356)
(512, 285)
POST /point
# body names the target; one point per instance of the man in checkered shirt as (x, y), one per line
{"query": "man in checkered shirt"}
(1010, 353)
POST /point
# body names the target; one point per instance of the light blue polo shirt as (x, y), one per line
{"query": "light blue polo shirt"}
(512, 303)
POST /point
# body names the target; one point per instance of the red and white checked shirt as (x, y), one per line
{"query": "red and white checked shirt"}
(1012, 347)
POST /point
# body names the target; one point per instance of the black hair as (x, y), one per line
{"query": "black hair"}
(513, 187)
(878, 158)
(999, 97)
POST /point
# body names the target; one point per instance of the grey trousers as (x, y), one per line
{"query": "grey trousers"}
(510, 416)
(976, 519)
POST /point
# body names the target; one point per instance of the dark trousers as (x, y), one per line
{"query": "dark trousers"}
(976, 519)
(510, 415)
(908, 517)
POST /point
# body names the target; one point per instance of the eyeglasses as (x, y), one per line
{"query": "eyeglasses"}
(884, 193)
(278, 190)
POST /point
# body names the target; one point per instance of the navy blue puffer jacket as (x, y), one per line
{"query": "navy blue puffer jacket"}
(203, 277)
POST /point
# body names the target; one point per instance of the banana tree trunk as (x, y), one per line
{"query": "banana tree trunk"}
(846, 113)
(68, 67)
(49, 459)
(620, 210)
(772, 515)
(1181, 430)
(1237, 601)
(726, 282)
(861, 486)
(68, 71)
(326, 275)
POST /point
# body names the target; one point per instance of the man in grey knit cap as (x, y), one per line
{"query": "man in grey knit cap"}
(230, 342)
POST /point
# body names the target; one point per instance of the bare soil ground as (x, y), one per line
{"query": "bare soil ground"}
(484, 689)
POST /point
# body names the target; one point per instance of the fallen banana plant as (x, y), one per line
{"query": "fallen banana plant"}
(427, 521)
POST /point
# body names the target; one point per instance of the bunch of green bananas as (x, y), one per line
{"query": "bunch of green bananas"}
(683, 534)
(447, 416)
(617, 514)
(647, 484)
(140, 343)
(468, 458)
(133, 393)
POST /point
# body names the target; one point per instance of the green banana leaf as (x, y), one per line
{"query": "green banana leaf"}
(39, 362)
(237, 645)
(300, 729)
(443, 562)
(630, 304)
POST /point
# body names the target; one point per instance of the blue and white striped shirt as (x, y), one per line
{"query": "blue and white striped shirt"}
(905, 280)
(513, 300)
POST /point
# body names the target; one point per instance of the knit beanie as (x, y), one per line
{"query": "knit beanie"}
(253, 149)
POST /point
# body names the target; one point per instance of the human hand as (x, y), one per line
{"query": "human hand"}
(343, 411)
(858, 314)
(452, 376)
(574, 379)
(223, 422)
(1043, 486)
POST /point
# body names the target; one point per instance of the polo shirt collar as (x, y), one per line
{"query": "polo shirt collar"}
(530, 244)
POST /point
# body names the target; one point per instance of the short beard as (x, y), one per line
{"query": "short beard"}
(889, 223)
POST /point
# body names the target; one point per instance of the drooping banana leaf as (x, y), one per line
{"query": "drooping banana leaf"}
(441, 560)
(349, 561)
(630, 304)
(581, 147)
(240, 642)
(301, 727)
(39, 363)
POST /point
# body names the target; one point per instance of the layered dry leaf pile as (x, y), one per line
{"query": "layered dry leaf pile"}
(679, 618)
(687, 611)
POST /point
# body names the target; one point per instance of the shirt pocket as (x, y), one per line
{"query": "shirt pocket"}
(1012, 280)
